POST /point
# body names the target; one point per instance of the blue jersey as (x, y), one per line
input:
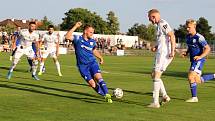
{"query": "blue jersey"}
(84, 50)
(195, 45)
(17, 35)
(34, 47)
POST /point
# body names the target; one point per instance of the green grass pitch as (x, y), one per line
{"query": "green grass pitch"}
(69, 98)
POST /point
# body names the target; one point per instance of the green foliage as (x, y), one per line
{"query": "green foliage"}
(113, 23)
(181, 33)
(143, 31)
(86, 17)
(45, 23)
(9, 28)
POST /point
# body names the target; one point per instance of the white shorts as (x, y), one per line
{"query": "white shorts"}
(49, 52)
(161, 62)
(28, 51)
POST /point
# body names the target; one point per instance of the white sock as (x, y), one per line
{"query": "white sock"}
(58, 66)
(41, 66)
(156, 92)
(162, 88)
(34, 67)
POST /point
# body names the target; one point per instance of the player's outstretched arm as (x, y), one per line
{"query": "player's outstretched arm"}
(69, 33)
(98, 55)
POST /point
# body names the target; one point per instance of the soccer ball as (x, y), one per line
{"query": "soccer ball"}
(118, 93)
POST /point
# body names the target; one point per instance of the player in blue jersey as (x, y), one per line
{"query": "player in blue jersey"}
(85, 50)
(198, 49)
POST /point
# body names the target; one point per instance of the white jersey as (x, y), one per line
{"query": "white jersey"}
(50, 40)
(163, 40)
(28, 38)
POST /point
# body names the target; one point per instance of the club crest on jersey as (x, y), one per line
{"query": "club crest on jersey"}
(91, 43)
(194, 40)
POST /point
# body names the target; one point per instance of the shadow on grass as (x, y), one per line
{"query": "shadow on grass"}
(89, 100)
(166, 73)
(16, 70)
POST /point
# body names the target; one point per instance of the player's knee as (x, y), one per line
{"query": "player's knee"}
(191, 78)
(92, 83)
(35, 62)
(15, 61)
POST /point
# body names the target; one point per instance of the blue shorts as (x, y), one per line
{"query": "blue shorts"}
(88, 71)
(197, 66)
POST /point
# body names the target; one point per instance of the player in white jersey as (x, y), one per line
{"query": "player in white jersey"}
(165, 51)
(27, 37)
(50, 41)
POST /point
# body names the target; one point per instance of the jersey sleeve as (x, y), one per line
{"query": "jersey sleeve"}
(202, 41)
(37, 37)
(75, 38)
(165, 27)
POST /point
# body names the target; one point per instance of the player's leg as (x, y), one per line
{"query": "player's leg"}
(31, 55)
(13, 53)
(208, 77)
(96, 72)
(192, 77)
(195, 78)
(54, 56)
(165, 97)
(85, 73)
(17, 57)
(42, 63)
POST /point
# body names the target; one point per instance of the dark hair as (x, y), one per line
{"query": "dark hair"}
(87, 26)
(50, 26)
(32, 22)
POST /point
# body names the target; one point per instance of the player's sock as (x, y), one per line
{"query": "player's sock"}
(193, 88)
(30, 61)
(103, 86)
(99, 90)
(58, 66)
(208, 77)
(156, 90)
(41, 66)
(34, 67)
(162, 88)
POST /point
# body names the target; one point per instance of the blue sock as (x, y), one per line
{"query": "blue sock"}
(208, 77)
(99, 90)
(103, 86)
(30, 62)
(193, 88)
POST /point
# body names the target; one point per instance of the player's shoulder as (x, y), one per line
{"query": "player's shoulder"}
(200, 37)
(164, 24)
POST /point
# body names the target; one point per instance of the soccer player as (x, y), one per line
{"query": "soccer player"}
(27, 37)
(15, 41)
(165, 51)
(51, 47)
(85, 50)
(198, 49)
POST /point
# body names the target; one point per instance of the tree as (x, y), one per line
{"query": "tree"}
(45, 23)
(86, 17)
(113, 23)
(180, 33)
(204, 28)
(142, 31)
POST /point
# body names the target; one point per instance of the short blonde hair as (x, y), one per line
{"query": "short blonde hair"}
(153, 11)
(191, 21)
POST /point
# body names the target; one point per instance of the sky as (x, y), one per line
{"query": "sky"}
(128, 12)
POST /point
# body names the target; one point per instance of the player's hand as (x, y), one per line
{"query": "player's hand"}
(153, 49)
(101, 61)
(78, 24)
(172, 54)
(196, 58)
